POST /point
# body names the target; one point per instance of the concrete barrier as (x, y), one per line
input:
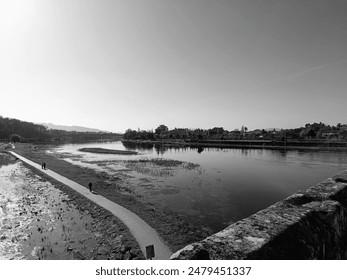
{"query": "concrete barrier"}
(310, 224)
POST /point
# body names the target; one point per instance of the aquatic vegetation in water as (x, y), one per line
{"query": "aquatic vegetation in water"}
(159, 167)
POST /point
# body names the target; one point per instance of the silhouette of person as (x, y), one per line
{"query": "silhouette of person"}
(44, 165)
(90, 186)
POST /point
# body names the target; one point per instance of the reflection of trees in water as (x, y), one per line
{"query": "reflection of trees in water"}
(160, 149)
(137, 146)
(244, 152)
(283, 153)
(163, 148)
(277, 152)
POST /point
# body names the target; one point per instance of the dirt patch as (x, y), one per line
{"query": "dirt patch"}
(175, 231)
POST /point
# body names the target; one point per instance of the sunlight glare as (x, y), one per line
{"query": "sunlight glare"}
(16, 13)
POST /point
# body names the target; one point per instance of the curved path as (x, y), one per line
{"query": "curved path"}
(142, 232)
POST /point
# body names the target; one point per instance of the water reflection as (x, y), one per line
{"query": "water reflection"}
(161, 149)
(228, 185)
(138, 146)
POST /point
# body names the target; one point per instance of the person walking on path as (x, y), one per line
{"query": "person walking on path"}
(44, 165)
(90, 186)
(142, 232)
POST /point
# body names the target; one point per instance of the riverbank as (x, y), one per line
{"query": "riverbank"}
(170, 226)
(43, 219)
(245, 144)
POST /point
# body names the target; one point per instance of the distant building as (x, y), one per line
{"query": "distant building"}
(330, 135)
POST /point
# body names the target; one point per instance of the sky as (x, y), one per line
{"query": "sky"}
(115, 64)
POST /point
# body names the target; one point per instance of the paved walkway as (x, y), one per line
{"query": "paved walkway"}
(142, 232)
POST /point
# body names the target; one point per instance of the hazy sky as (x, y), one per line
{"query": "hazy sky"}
(118, 64)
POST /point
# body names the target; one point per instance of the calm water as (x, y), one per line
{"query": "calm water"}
(228, 184)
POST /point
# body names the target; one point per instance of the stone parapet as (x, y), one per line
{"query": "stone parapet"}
(310, 224)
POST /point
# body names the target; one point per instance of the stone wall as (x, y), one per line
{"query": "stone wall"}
(310, 224)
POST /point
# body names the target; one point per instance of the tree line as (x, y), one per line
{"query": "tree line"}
(314, 131)
(14, 130)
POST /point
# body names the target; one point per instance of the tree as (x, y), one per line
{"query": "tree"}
(311, 133)
(161, 129)
(130, 134)
(15, 138)
(216, 131)
(343, 134)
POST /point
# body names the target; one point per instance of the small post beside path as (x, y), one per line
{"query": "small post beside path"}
(150, 252)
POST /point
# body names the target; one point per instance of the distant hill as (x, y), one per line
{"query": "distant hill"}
(21, 129)
(71, 128)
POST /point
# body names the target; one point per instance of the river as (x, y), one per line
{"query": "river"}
(221, 187)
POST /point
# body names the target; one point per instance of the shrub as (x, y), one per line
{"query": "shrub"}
(15, 138)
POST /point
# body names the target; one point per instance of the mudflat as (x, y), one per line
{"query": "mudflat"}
(44, 219)
(172, 228)
(107, 151)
